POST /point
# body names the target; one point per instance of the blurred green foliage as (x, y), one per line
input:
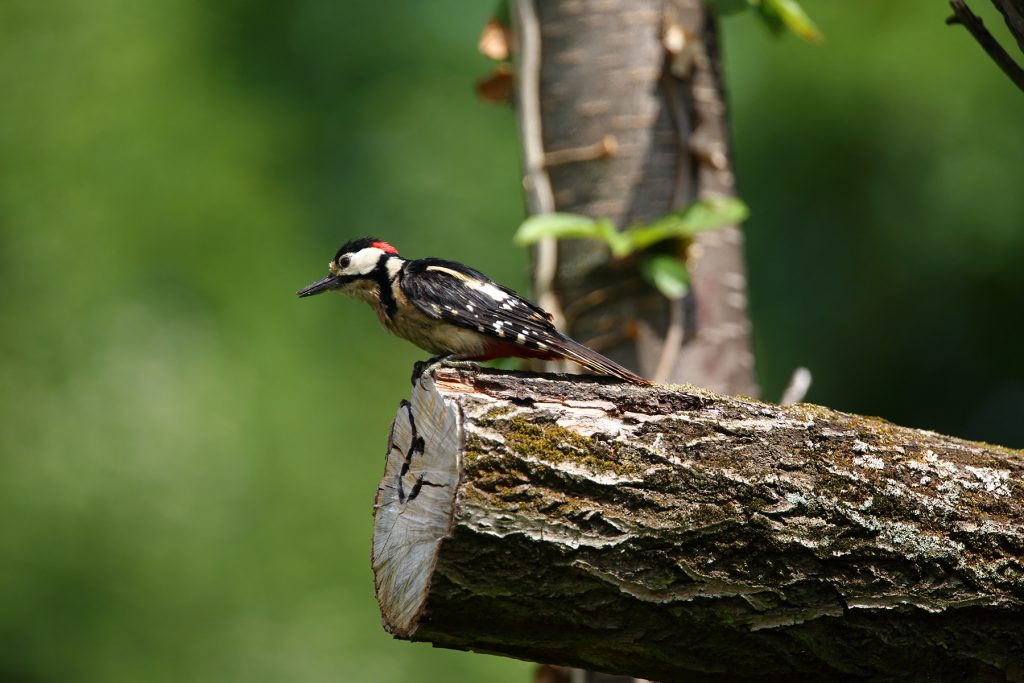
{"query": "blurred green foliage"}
(189, 453)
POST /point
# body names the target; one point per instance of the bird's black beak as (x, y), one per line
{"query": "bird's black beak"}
(328, 283)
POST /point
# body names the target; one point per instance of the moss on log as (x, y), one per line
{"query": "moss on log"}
(674, 534)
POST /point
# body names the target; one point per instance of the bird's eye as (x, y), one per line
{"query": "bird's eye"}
(344, 261)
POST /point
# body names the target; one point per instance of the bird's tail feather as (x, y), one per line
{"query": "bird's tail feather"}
(592, 360)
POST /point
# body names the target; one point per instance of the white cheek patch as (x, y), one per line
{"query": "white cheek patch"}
(485, 288)
(363, 261)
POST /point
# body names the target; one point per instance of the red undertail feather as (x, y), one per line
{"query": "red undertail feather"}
(509, 350)
(570, 350)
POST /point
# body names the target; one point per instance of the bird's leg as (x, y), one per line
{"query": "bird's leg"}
(449, 360)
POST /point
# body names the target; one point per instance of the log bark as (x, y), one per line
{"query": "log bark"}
(675, 534)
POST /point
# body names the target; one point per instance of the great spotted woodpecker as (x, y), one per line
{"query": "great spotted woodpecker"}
(452, 310)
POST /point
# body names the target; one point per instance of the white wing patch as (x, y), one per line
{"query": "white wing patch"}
(483, 287)
(454, 273)
(488, 289)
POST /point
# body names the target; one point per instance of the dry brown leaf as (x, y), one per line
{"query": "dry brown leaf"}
(497, 86)
(494, 40)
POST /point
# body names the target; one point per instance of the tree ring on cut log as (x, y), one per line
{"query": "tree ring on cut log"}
(413, 508)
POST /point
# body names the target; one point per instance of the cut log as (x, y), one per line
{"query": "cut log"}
(674, 534)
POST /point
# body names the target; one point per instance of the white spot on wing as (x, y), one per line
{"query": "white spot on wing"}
(520, 338)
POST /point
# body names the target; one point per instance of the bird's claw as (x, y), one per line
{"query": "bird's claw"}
(459, 364)
(448, 361)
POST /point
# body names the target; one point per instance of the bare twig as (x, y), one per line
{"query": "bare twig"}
(972, 22)
(673, 340)
(675, 41)
(605, 147)
(797, 388)
(1013, 14)
(600, 297)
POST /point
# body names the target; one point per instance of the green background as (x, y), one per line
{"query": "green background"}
(189, 454)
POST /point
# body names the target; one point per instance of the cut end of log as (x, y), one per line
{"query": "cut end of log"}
(416, 498)
(412, 511)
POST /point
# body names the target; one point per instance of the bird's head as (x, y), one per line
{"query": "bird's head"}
(357, 265)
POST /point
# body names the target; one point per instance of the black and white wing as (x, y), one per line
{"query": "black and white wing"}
(462, 296)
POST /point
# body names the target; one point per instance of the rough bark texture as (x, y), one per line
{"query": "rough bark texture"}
(676, 534)
(643, 73)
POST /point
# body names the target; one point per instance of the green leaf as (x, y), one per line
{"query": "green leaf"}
(570, 226)
(668, 274)
(618, 242)
(790, 14)
(725, 7)
(706, 214)
(557, 225)
(769, 15)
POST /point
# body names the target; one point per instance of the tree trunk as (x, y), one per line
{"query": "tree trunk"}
(676, 534)
(622, 115)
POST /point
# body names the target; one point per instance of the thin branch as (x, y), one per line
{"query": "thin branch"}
(539, 197)
(674, 41)
(673, 341)
(972, 22)
(1013, 14)
(797, 388)
(605, 147)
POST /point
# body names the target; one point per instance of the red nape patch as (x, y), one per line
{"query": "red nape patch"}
(384, 246)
